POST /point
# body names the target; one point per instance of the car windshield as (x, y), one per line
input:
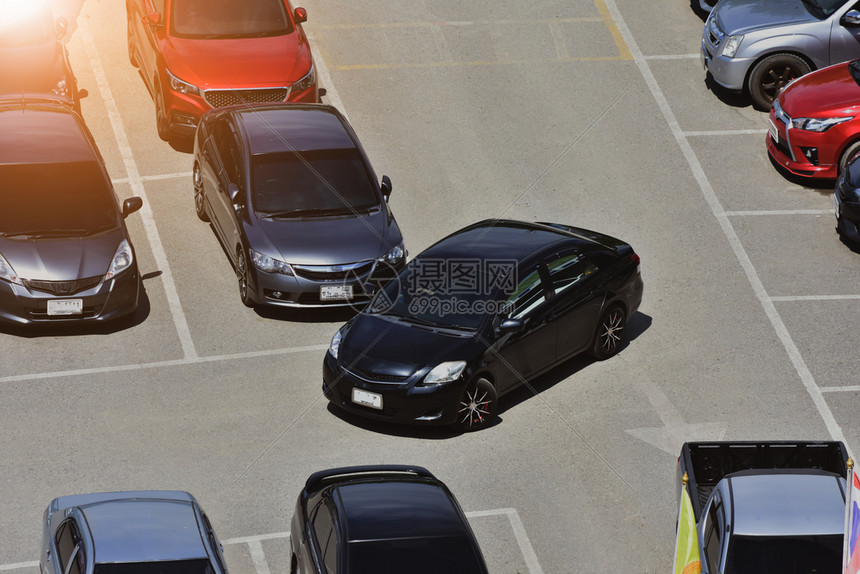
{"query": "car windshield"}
(55, 199)
(449, 293)
(198, 566)
(823, 8)
(448, 554)
(316, 182)
(229, 18)
(784, 554)
(24, 26)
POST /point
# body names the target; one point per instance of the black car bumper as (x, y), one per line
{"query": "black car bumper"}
(112, 299)
(403, 402)
(847, 217)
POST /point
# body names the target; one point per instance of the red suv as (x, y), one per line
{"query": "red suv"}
(814, 124)
(195, 55)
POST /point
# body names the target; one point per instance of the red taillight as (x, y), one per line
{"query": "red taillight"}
(635, 259)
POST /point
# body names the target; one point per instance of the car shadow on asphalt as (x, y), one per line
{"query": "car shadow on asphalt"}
(638, 324)
(298, 315)
(697, 10)
(728, 97)
(87, 328)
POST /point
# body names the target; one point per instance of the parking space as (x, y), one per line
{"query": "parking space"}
(592, 112)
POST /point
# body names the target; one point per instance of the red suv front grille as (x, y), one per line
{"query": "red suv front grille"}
(221, 98)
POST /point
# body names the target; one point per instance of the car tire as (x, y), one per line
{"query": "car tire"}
(771, 74)
(162, 123)
(242, 276)
(609, 336)
(294, 565)
(846, 156)
(477, 405)
(131, 57)
(199, 208)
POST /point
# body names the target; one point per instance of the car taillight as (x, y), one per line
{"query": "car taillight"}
(635, 259)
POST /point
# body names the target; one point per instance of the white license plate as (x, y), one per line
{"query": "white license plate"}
(335, 292)
(65, 306)
(367, 399)
(771, 129)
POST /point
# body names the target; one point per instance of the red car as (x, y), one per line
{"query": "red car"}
(195, 55)
(814, 124)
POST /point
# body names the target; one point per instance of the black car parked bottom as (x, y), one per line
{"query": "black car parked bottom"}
(381, 520)
(65, 254)
(846, 201)
(296, 205)
(478, 314)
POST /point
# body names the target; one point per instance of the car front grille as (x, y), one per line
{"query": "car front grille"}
(63, 287)
(221, 98)
(334, 272)
(377, 377)
(715, 34)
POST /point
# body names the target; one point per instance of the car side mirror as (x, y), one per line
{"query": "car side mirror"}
(511, 326)
(153, 18)
(385, 187)
(301, 15)
(83, 93)
(131, 205)
(851, 18)
(62, 27)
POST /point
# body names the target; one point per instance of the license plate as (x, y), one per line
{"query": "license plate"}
(771, 129)
(367, 399)
(65, 306)
(335, 292)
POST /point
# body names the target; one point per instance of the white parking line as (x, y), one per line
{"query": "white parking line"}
(717, 210)
(155, 177)
(673, 57)
(851, 389)
(781, 212)
(711, 133)
(815, 298)
(255, 548)
(138, 189)
(324, 78)
(159, 364)
(18, 566)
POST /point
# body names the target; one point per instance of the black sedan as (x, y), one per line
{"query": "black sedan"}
(296, 205)
(382, 519)
(139, 532)
(478, 314)
(34, 61)
(846, 201)
(65, 254)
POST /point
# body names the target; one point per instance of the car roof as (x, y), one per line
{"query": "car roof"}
(504, 239)
(393, 509)
(787, 503)
(42, 133)
(143, 530)
(291, 127)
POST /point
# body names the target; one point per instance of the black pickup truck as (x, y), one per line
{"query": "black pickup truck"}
(764, 507)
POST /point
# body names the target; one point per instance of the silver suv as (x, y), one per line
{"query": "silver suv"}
(761, 46)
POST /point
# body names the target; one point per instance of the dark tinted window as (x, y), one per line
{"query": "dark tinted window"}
(72, 198)
(784, 554)
(328, 181)
(199, 566)
(325, 535)
(66, 539)
(451, 555)
(569, 270)
(527, 296)
(229, 18)
(713, 534)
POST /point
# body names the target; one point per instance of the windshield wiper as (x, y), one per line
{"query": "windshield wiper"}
(47, 233)
(304, 212)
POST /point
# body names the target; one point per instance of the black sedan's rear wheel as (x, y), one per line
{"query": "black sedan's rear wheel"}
(477, 406)
(610, 333)
(242, 276)
(198, 194)
(771, 74)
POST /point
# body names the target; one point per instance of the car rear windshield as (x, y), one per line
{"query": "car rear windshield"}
(308, 183)
(784, 554)
(229, 18)
(448, 554)
(199, 566)
(55, 198)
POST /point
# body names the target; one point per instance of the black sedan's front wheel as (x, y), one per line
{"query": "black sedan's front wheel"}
(477, 406)
(610, 333)
(242, 276)
(197, 177)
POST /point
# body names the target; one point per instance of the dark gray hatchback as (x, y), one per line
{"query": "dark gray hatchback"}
(65, 254)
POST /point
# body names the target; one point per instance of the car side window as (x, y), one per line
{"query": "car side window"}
(323, 528)
(528, 295)
(69, 550)
(228, 151)
(714, 533)
(568, 270)
(213, 542)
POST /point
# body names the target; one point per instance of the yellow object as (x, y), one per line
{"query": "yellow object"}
(687, 543)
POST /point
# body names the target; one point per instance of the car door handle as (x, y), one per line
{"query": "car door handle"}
(48, 555)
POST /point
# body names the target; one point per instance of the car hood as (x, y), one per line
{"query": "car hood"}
(327, 240)
(741, 16)
(35, 68)
(821, 93)
(379, 345)
(63, 259)
(239, 63)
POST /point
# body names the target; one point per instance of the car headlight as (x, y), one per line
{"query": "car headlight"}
(122, 260)
(446, 372)
(7, 273)
(306, 82)
(270, 264)
(178, 85)
(818, 124)
(394, 256)
(731, 46)
(334, 346)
